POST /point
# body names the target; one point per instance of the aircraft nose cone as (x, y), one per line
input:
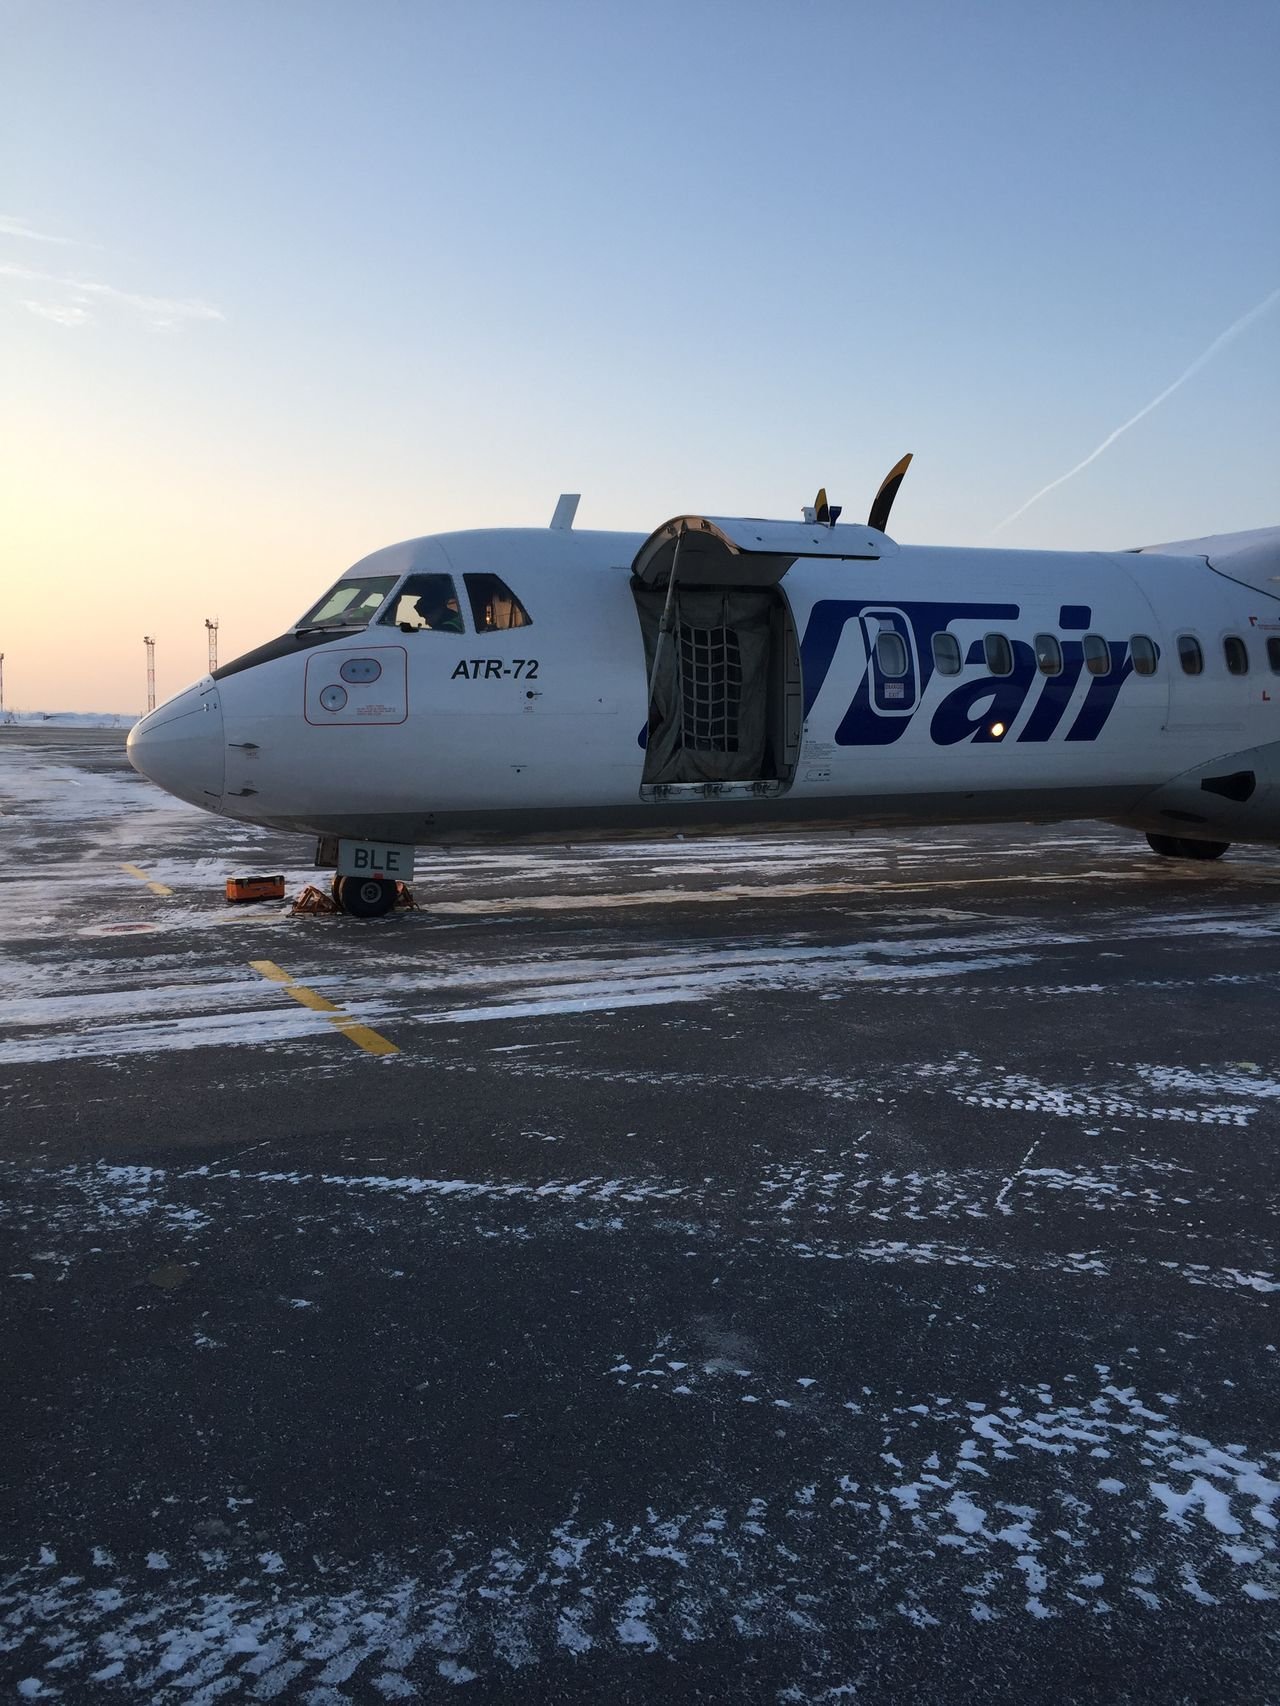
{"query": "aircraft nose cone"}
(179, 746)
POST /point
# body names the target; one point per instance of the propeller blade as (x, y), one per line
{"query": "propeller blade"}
(879, 517)
(820, 510)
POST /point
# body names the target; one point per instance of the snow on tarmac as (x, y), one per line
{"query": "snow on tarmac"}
(1056, 1492)
(1079, 1501)
(73, 1008)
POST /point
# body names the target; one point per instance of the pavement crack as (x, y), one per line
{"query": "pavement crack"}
(1013, 1178)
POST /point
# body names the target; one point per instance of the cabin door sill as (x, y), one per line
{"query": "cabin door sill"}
(759, 790)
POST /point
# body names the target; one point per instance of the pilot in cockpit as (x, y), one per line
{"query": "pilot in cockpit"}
(426, 602)
(442, 616)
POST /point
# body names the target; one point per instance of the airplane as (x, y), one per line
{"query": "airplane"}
(727, 675)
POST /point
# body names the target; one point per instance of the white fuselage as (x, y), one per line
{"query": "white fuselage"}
(538, 732)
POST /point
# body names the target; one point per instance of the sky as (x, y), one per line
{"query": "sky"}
(284, 282)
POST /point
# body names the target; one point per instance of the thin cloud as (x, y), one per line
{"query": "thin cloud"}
(10, 227)
(1232, 332)
(159, 310)
(62, 314)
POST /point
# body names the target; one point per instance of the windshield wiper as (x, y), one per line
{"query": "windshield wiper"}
(331, 628)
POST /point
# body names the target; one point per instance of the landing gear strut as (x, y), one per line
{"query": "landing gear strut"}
(363, 897)
(1182, 847)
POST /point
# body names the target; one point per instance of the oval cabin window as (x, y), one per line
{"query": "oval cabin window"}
(1143, 652)
(1236, 654)
(1048, 654)
(891, 653)
(1097, 654)
(999, 654)
(1189, 654)
(946, 654)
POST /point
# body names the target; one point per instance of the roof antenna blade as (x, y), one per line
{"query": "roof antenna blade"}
(566, 509)
(879, 517)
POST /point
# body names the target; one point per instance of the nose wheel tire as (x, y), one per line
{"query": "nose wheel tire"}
(364, 897)
(1182, 847)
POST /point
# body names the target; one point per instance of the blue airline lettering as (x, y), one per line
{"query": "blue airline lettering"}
(969, 710)
(1102, 694)
(1055, 696)
(968, 713)
(861, 725)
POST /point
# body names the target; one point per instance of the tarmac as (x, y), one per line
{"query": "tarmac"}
(798, 1269)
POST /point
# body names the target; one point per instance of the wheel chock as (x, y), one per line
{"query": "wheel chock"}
(312, 901)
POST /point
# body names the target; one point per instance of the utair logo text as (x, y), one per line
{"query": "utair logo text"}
(883, 706)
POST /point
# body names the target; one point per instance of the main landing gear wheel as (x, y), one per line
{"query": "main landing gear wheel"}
(1182, 847)
(364, 897)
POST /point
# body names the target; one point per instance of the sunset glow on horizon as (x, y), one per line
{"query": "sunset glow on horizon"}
(279, 286)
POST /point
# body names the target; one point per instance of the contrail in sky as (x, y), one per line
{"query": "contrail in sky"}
(1220, 342)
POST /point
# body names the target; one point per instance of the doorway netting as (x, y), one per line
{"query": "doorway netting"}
(710, 689)
(709, 708)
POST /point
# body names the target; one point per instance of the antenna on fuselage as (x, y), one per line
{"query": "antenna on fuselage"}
(566, 509)
(820, 511)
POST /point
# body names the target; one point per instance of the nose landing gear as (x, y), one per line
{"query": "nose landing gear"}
(368, 878)
(364, 897)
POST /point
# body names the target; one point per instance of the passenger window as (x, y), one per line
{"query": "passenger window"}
(946, 654)
(1097, 654)
(494, 605)
(999, 654)
(1048, 654)
(891, 653)
(1233, 649)
(1143, 652)
(1190, 655)
(1273, 654)
(426, 601)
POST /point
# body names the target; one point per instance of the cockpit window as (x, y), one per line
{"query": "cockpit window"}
(426, 601)
(494, 605)
(350, 604)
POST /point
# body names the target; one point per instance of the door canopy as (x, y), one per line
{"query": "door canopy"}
(726, 551)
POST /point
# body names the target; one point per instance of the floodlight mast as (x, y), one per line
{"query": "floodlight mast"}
(211, 624)
(150, 644)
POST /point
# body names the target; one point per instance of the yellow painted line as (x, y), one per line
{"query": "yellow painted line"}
(156, 888)
(309, 998)
(364, 1038)
(270, 969)
(359, 1034)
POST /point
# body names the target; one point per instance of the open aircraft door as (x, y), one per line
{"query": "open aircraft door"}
(726, 699)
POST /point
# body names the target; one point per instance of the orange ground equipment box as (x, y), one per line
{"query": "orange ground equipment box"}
(255, 888)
